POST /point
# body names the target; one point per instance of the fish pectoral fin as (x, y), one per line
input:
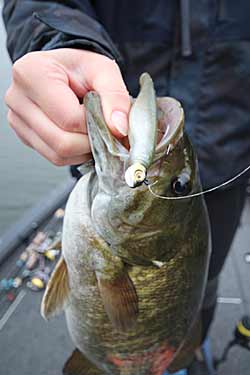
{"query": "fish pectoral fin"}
(120, 301)
(78, 364)
(57, 291)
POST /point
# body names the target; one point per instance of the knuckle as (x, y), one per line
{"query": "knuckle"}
(10, 119)
(18, 71)
(21, 68)
(59, 162)
(66, 123)
(8, 96)
(114, 65)
(25, 142)
(63, 148)
(29, 65)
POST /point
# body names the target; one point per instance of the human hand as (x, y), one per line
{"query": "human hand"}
(44, 108)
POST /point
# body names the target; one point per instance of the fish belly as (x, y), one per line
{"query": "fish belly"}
(168, 307)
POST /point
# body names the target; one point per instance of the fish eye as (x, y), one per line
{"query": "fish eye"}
(181, 185)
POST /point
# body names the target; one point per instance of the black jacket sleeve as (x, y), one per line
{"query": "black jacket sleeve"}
(33, 25)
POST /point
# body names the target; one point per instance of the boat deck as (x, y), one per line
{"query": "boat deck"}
(29, 345)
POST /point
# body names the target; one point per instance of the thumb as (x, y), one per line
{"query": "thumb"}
(108, 82)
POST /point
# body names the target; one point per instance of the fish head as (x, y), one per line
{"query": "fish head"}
(120, 211)
(173, 170)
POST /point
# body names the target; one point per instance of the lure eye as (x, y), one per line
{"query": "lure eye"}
(135, 175)
(181, 185)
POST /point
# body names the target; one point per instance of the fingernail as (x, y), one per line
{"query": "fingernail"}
(120, 121)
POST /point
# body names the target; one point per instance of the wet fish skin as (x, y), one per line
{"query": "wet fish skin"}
(112, 232)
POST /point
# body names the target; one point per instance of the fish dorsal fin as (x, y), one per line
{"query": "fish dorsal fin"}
(120, 301)
(77, 364)
(57, 291)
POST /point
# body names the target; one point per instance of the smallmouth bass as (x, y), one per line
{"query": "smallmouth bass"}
(133, 266)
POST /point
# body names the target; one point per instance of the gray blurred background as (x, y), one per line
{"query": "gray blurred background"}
(25, 177)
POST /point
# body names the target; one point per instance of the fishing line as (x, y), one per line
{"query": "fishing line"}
(199, 193)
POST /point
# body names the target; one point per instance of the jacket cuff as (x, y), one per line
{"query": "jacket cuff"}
(75, 30)
(61, 27)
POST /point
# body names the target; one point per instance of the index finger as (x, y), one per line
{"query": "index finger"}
(49, 88)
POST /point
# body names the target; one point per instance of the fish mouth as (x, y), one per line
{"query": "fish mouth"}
(170, 124)
(112, 157)
(170, 117)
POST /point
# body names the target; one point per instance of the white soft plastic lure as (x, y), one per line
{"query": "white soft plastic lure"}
(142, 132)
